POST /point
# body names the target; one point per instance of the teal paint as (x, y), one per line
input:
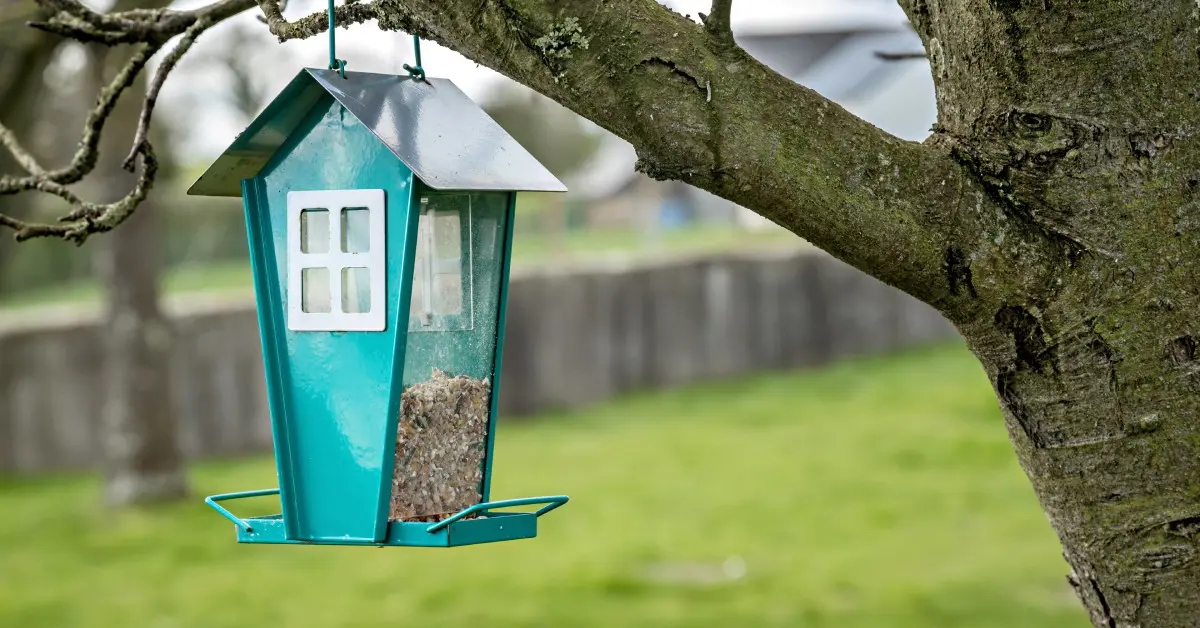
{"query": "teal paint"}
(398, 321)
(489, 527)
(335, 396)
(337, 385)
(495, 528)
(270, 304)
(502, 306)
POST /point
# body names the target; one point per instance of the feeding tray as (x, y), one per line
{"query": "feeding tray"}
(472, 526)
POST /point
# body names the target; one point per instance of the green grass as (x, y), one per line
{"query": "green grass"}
(878, 493)
(528, 249)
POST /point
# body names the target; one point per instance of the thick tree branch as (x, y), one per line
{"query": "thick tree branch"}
(696, 108)
(712, 116)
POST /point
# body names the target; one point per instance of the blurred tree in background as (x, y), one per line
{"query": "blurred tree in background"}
(553, 134)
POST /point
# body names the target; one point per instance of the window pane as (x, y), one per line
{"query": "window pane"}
(314, 231)
(448, 296)
(488, 232)
(419, 307)
(442, 270)
(447, 235)
(356, 230)
(314, 290)
(356, 290)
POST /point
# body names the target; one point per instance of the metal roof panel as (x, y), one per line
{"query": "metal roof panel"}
(444, 137)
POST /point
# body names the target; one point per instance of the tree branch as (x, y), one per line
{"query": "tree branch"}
(718, 22)
(316, 23)
(710, 115)
(72, 19)
(160, 77)
(151, 28)
(9, 140)
(900, 56)
(696, 109)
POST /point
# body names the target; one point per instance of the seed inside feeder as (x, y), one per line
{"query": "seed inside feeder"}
(440, 446)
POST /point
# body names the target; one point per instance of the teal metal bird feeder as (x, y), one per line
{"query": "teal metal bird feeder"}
(379, 214)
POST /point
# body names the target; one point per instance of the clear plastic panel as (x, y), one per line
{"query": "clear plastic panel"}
(450, 355)
(356, 230)
(442, 297)
(314, 291)
(314, 231)
(356, 290)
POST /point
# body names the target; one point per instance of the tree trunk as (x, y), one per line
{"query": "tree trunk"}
(1079, 118)
(143, 461)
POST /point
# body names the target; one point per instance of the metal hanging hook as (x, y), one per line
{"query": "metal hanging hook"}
(334, 62)
(418, 72)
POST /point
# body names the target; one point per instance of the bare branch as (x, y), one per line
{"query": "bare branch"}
(87, 218)
(84, 159)
(9, 140)
(316, 23)
(150, 29)
(718, 23)
(900, 56)
(70, 18)
(696, 108)
(160, 77)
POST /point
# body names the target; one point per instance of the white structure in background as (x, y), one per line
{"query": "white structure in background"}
(828, 46)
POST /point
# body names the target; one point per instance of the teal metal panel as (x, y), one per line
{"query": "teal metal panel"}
(477, 524)
(269, 299)
(494, 528)
(337, 387)
(502, 306)
(398, 321)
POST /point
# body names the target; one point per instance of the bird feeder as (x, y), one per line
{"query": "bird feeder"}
(379, 214)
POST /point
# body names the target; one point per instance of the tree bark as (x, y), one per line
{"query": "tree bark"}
(143, 461)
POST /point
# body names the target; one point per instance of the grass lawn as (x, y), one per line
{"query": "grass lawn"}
(878, 493)
(527, 249)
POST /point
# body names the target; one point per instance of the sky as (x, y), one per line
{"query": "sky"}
(212, 125)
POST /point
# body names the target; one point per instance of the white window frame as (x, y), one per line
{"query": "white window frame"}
(374, 260)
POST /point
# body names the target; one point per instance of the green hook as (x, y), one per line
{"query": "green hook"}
(334, 62)
(417, 72)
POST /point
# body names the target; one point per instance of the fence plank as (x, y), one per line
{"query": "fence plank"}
(573, 337)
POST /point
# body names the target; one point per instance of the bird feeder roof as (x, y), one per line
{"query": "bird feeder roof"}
(445, 138)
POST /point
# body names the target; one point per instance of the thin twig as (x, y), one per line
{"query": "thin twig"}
(71, 19)
(314, 23)
(160, 77)
(24, 159)
(900, 56)
(84, 159)
(149, 29)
